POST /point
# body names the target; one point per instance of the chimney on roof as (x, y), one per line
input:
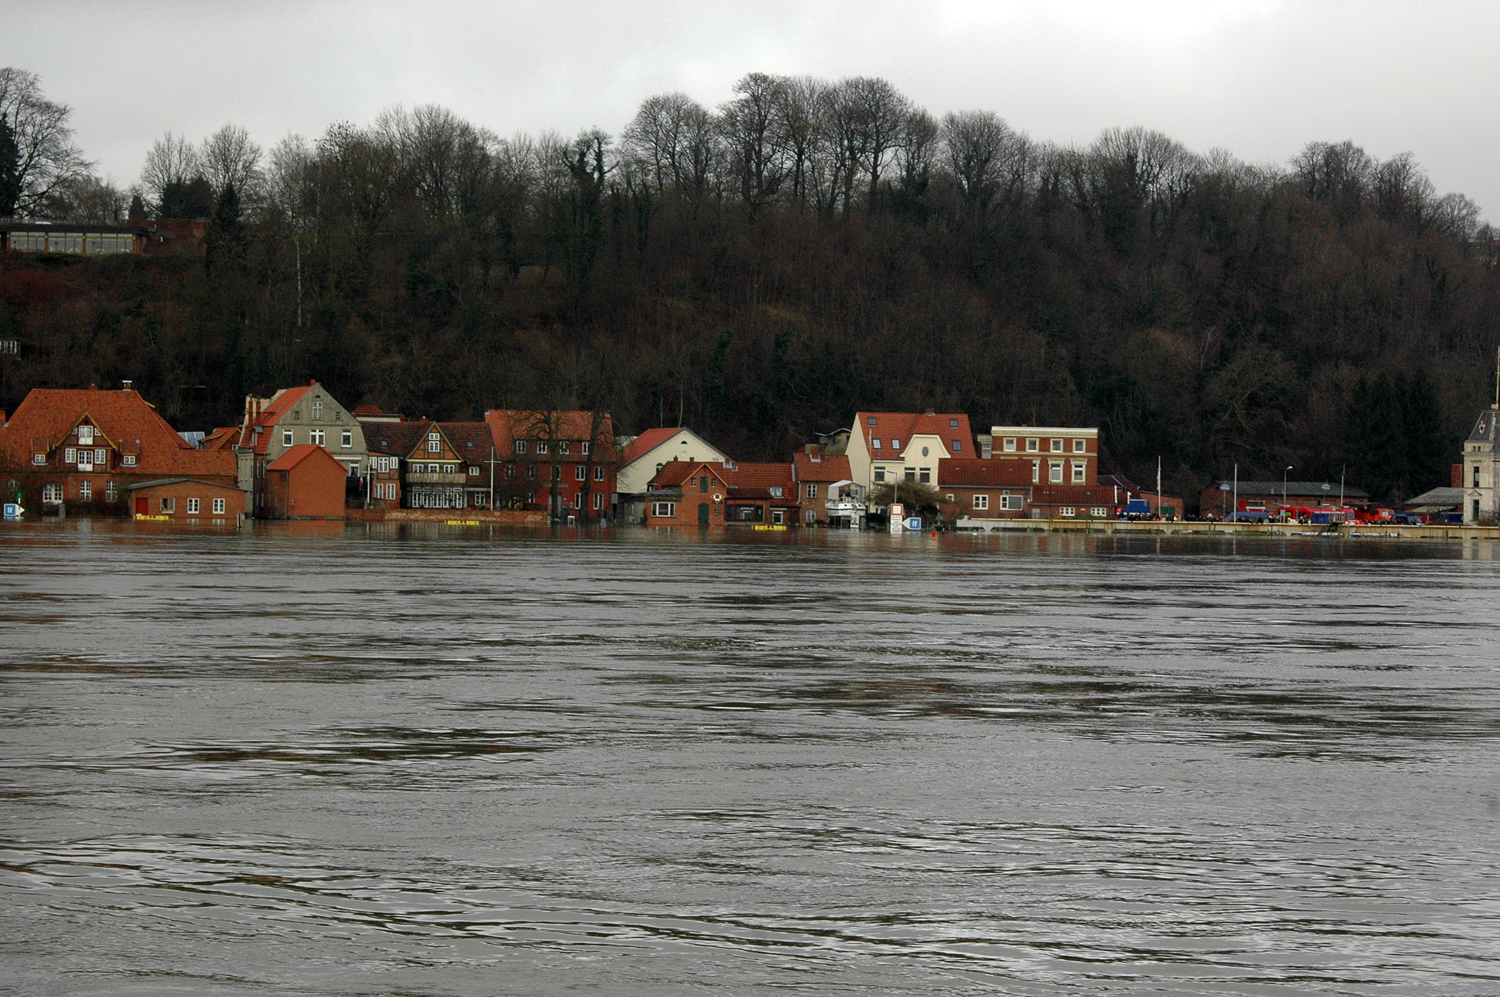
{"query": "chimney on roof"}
(125, 384)
(312, 384)
(1456, 476)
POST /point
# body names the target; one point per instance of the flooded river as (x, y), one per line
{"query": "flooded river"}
(380, 761)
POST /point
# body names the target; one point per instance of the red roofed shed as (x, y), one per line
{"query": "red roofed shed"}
(305, 482)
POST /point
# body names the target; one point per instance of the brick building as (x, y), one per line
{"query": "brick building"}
(562, 461)
(816, 474)
(187, 499)
(84, 448)
(305, 482)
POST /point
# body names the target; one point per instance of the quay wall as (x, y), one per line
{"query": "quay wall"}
(484, 517)
(1354, 531)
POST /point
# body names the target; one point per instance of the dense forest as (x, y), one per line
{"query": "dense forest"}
(762, 270)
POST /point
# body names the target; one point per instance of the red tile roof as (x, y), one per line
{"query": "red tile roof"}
(272, 411)
(674, 472)
(971, 473)
(824, 468)
(472, 441)
(297, 454)
(126, 420)
(904, 425)
(646, 442)
(508, 425)
(757, 480)
(395, 438)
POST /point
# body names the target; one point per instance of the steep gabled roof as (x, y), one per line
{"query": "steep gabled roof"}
(394, 438)
(809, 467)
(946, 426)
(472, 441)
(125, 419)
(646, 442)
(674, 472)
(1487, 428)
(268, 415)
(297, 454)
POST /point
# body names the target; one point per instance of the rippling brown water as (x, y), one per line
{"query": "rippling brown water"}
(335, 761)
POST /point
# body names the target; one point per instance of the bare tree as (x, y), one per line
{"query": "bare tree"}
(171, 161)
(229, 157)
(880, 112)
(671, 137)
(45, 156)
(87, 199)
(756, 144)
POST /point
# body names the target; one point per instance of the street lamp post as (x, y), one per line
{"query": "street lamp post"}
(1283, 485)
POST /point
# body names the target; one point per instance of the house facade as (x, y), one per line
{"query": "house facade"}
(562, 461)
(688, 493)
(1052, 455)
(641, 457)
(187, 500)
(83, 448)
(819, 477)
(305, 482)
(1481, 466)
(885, 447)
(301, 416)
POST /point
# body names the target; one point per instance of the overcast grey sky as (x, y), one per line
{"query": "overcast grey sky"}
(1259, 79)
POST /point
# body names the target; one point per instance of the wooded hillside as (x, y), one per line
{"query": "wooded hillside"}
(762, 270)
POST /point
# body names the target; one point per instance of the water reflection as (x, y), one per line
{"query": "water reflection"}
(431, 761)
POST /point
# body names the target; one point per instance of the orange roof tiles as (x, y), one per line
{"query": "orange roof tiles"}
(946, 426)
(126, 420)
(268, 415)
(646, 442)
(297, 454)
(824, 468)
(984, 473)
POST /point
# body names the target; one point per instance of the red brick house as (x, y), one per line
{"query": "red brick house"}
(190, 499)
(561, 461)
(83, 448)
(761, 494)
(1000, 488)
(390, 444)
(688, 493)
(814, 473)
(305, 482)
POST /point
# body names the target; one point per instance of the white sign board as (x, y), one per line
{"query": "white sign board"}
(897, 511)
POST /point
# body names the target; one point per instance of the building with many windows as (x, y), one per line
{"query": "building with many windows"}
(83, 448)
(891, 446)
(291, 417)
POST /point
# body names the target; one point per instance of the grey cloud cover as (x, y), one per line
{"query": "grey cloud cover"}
(1258, 79)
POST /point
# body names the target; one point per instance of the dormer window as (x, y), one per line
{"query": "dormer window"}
(895, 443)
(875, 443)
(128, 460)
(39, 458)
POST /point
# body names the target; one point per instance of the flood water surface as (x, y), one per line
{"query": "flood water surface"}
(372, 761)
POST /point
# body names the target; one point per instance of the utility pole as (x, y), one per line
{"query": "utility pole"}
(1236, 492)
(492, 479)
(1158, 486)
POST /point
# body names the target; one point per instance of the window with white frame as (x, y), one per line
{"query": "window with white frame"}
(1055, 472)
(346, 439)
(434, 443)
(879, 474)
(85, 491)
(317, 409)
(447, 468)
(473, 470)
(39, 458)
(1033, 445)
(1008, 444)
(1067, 512)
(580, 473)
(664, 510)
(85, 460)
(51, 494)
(812, 490)
(585, 448)
(895, 443)
(810, 516)
(110, 491)
(541, 446)
(70, 455)
(562, 446)
(1099, 512)
(1078, 446)
(598, 472)
(981, 501)
(192, 507)
(924, 475)
(598, 501)
(286, 437)
(1079, 469)
(1056, 446)
(218, 507)
(128, 460)
(521, 448)
(875, 443)
(85, 435)
(911, 473)
(317, 437)
(1012, 503)
(382, 463)
(1036, 472)
(101, 456)
(168, 505)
